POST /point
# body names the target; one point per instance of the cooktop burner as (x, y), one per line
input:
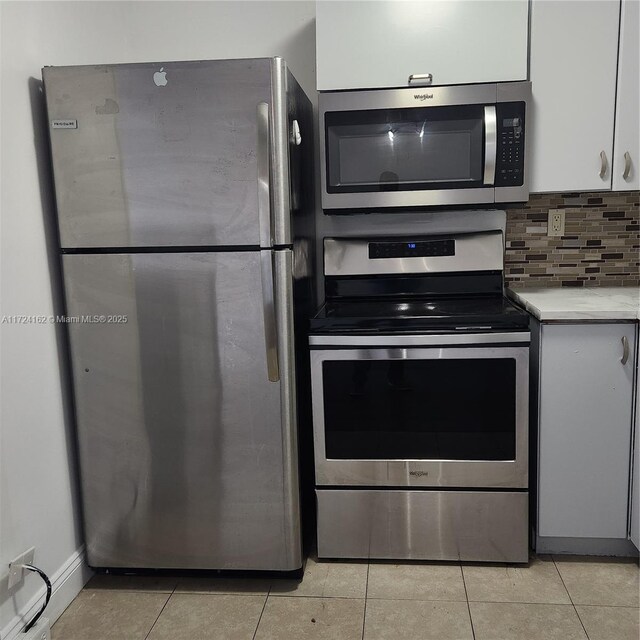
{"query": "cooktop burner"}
(489, 313)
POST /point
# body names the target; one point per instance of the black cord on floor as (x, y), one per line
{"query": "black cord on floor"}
(44, 576)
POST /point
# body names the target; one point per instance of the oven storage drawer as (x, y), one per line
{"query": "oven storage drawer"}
(490, 526)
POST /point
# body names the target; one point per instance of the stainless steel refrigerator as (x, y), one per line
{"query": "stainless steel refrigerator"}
(185, 212)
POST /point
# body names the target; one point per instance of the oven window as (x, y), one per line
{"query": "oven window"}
(456, 409)
(404, 149)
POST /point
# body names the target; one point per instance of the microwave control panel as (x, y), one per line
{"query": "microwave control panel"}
(510, 156)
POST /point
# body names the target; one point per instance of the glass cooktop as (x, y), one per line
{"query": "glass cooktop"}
(488, 313)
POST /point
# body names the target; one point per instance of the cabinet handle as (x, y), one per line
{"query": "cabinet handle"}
(625, 350)
(627, 165)
(603, 164)
(420, 78)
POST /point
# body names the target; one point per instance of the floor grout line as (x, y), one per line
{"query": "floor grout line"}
(466, 595)
(118, 590)
(242, 594)
(264, 605)
(158, 617)
(535, 604)
(610, 606)
(317, 595)
(542, 604)
(366, 596)
(570, 598)
(277, 596)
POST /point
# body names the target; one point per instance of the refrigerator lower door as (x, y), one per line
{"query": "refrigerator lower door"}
(185, 445)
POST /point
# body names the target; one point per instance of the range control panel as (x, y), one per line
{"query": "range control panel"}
(412, 249)
(510, 157)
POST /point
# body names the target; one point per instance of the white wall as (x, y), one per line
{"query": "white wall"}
(38, 494)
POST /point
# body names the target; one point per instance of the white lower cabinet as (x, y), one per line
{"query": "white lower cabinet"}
(634, 534)
(586, 394)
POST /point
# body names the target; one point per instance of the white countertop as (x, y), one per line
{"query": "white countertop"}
(585, 303)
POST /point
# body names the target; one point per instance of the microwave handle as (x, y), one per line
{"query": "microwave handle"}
(490, 144)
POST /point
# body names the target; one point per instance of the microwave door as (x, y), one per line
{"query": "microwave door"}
(490, 144)
(409, 157)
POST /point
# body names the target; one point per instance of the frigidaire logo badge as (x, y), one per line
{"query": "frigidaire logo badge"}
(423, 96)
(418, 474)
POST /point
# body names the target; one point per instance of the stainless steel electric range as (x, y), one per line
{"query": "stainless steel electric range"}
(419, 369)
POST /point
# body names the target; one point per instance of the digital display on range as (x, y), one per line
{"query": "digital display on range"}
(412, 249)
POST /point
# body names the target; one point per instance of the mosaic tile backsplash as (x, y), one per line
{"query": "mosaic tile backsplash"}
(601, 245)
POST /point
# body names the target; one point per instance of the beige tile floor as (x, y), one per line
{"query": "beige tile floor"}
(560, 597)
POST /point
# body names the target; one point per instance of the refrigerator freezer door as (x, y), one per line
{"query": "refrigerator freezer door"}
(158, 154)
(185, 452)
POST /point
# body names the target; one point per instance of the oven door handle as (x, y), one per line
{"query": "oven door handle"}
(420, 340)
(490, 144)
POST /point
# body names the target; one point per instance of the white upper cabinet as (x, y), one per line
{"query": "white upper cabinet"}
(626, 159)
(574, 52)
(366, 45)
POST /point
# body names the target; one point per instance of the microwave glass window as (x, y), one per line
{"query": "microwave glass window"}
(404, 149)
(457, 409)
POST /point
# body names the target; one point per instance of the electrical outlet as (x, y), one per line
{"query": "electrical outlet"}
(40, 631)
(555, 225)
(16, 572)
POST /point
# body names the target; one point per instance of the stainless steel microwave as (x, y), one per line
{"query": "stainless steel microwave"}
(422, 147)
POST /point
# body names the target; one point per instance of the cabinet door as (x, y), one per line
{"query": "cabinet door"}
(574, 48)
(364, 45)
(626, 159)
(635, 482)
(586, 399)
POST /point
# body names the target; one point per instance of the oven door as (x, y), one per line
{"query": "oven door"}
(421, 415)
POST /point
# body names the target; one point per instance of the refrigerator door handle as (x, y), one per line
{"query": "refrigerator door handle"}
(266, 240)
(264, 177)
(283, 278)
(269, 311)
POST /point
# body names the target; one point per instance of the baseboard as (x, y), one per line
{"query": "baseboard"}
(66, 584)
(586, 546)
